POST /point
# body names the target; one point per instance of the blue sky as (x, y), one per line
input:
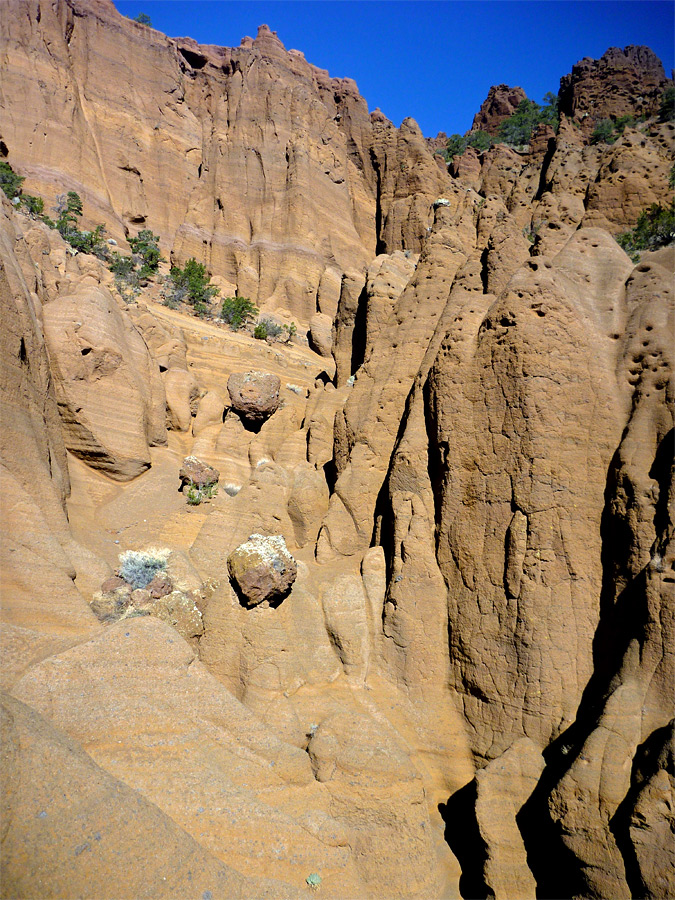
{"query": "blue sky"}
(430, 59)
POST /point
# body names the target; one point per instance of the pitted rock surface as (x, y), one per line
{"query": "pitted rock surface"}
(501, 102)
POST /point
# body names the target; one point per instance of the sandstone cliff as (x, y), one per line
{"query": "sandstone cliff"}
(250, 159)
(467, 689)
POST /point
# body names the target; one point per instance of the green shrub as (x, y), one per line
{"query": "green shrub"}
(622, 123)
(457, 143)
(69, 209)
(480, 140)
(655, 228)
(196, 495)
(143, 19)
(191, 283)
(518, 128)
(146, 246)
(122, 266)
(139, 567)
(291, 331)
(603, 132)
(10, 182)
(667, 105)
(237, 311)
(34, 205)
(267, 328)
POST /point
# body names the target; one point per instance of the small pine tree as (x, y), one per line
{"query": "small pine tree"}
(655, 228)
(10, 182)
(603, 132)
(191, 283)
(146, 245)
(237, 311)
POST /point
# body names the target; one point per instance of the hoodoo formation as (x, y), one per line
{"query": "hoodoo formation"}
(337, 478)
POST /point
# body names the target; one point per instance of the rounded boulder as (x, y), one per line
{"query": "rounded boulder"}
(254, 395)
(262, 568)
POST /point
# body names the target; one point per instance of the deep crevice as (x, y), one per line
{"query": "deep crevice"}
(648, 759)
(545, 185)
(484, 269)
(359, 333)
(463, 837)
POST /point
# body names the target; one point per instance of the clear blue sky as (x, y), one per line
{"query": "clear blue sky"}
(430, 59)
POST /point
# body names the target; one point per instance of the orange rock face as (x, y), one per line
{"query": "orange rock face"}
(273, 185)
(499, 104)
(457, 679)
(622, 82)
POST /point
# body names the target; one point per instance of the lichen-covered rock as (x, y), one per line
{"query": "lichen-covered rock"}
(254, 395)
(262, 568)
(194, 471)
(110, 606)
(179, 610)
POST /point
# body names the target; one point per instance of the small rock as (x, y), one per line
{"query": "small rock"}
(180, 611)
(262, 568)
(140, 597)
(114, 583)
(160, 586)
(254, 395)
(111, 606)
(194, 471)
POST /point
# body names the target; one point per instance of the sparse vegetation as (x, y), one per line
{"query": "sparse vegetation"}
(69, 210)
(667, 105)
(196, 495)
(608, 130)
(517, 129)
(237, 311)
(10, 182)
(457, 143)
(655, 228)
(191, 284)
(531, 232)
(267, 328)
(139, 567)
(143, 19)
(603, 133)
(291, 331)
(146, 246)
(34, 206)
(131, 272)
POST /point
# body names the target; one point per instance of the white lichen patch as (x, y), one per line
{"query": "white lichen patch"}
(268, 548)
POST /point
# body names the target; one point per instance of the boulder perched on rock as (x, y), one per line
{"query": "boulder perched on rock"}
(254, 395)
(194, 471)
(262, 568)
